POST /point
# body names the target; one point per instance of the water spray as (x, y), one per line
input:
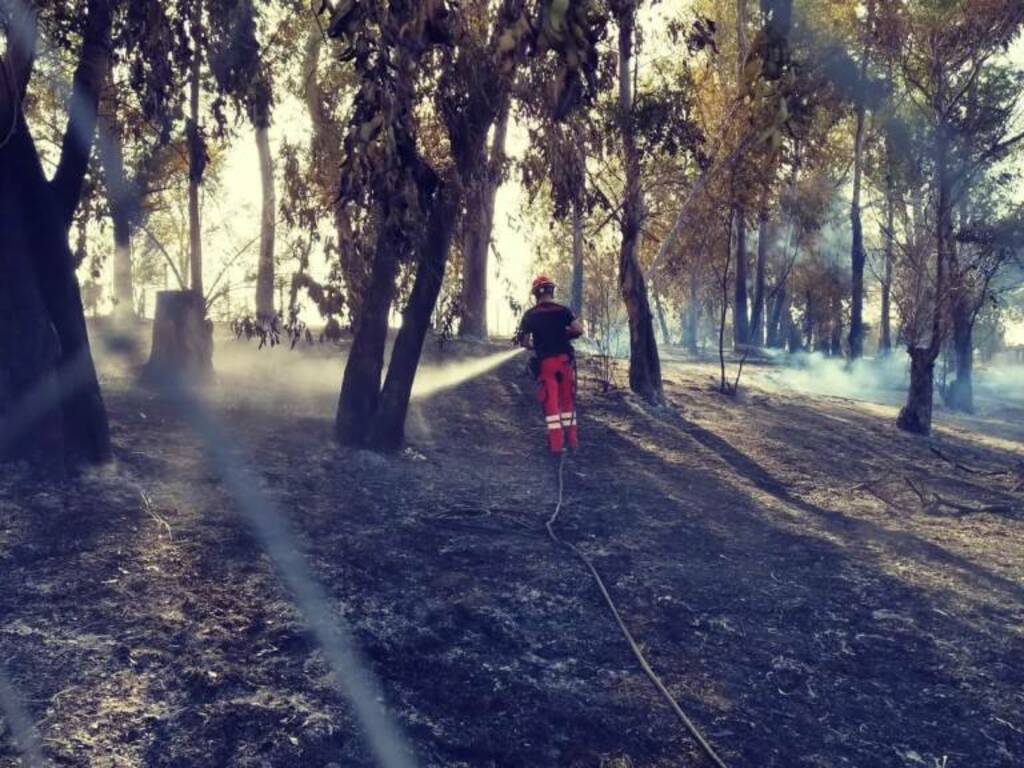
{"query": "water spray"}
(433, 379)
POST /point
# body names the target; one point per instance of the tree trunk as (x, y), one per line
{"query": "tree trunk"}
(916, 415)
(121, 203)
(644, 364)
(388, 428)
(360, 387)
(36, 240)
(124, 289)
(857, 256)
(741, 323)
(778, 309)
(35, 218)
(722, 385)
(29, 347)
(182, 336)
(576, 296)
(888, 235)
(885, 323)
(268, 226)
(479, 227)
(808, 330)
(836, 339)
(692, 320)
(757, 315)
(197, 155)
(960, 393)
(666, 337)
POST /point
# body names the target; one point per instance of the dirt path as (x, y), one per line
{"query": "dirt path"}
(774, 557)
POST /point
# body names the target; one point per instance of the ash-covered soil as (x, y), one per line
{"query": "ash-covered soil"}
(816, 588)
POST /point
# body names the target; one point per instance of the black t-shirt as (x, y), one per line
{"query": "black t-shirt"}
(547, 323)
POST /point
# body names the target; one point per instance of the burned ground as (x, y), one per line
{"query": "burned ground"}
(814, 587)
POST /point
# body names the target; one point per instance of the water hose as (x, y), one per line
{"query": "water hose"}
(641, 659)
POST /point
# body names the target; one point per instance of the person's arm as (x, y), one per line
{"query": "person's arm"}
(523, 337)
(574, 329)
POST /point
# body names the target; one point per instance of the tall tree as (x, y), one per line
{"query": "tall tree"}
(415, 198)
(757, 313)
(197, 150)
(644, 363)
(478, 226)
(943, 51)
(741, 318)
(236, 61)
(45, 346)
(857, 252)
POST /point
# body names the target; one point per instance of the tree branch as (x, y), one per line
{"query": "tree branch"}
(163, 252)
(91, 73)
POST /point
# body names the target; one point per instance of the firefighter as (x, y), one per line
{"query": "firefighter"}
(548, 328)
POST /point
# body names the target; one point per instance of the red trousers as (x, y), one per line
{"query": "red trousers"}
(556, 389)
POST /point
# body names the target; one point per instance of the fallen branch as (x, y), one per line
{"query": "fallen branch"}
(972, 470)
(918, 492)
(939, 501)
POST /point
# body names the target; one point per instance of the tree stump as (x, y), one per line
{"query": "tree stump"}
(182, 336)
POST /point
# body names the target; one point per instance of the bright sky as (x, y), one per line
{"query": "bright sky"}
(239, 204)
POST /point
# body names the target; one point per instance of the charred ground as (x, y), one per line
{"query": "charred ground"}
(815, 587)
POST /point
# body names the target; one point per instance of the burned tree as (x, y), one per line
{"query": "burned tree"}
(944, 56)
(414, 204)
(45, 344)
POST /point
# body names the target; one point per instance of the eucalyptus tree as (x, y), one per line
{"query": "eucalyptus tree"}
(45, 345)
(946, 53)
(243, 76)
(431, 84)
(139, 106)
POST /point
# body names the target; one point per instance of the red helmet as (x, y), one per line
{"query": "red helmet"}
(541, 283)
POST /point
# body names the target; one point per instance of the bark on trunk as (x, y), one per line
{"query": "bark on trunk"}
(808, 330)
(388, 428)
(777, 311)
(885, 322)
(29, 348)
(888, 235)
(576, 296)
(644, 363)
(124, 289)
(758, 312)
(36, 251)
(741, 322)
(960, 393)
(268, 226)
(360, 387)
(197, 156)
(692, 320)
(857, 256)
(857, 260)
(182, 337)
(479, 227)
(40, 299)
(916, 415)
(666, 337)
(122, 205)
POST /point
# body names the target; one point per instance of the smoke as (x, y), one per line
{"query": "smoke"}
(306, 381)
(882, 380)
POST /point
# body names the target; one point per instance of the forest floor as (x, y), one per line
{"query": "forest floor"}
(816, 588)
